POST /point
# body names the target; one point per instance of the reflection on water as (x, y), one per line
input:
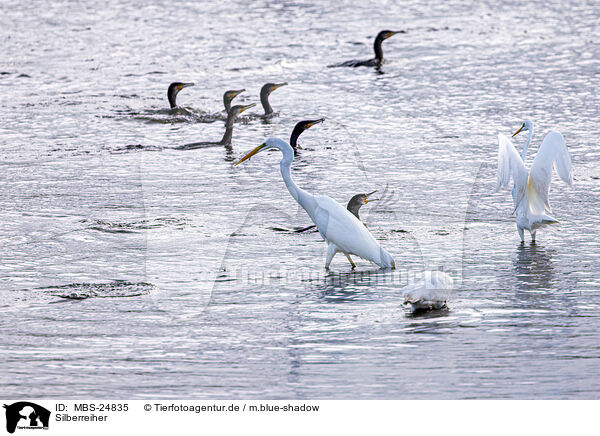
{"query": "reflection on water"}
(340, 287)
(169, 279)
(534, 267)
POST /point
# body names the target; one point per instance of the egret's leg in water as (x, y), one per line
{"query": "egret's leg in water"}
(351, 261)
(533, 236)
(521, 234)
(331, 251)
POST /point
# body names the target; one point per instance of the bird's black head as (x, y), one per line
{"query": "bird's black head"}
(301, 127)
(357, 201)
(385, 34)
(306, 124)
(265, 91)
(228, 97)
(174, 89)
(238, 109)
(268, 88)
(381, 36)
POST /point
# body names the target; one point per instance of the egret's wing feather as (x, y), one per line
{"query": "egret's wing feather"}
(552, 153)
(510, 165)
(431, 292)
(336, 224)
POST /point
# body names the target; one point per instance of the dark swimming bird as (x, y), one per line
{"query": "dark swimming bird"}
(378, 60)
(229, 96)
(357, 201)
(226, 140)
(353, 206)
(301, 127)
(173, 90)
(265, 91)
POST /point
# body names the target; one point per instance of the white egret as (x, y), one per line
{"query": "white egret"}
(343, 232)
(531, 188)
(429, 293)
(354, 205)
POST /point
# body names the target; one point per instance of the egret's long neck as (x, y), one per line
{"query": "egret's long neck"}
(300, 195)
(524, 153)
(285, 165)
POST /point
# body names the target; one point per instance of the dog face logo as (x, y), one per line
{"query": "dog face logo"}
(26, 415)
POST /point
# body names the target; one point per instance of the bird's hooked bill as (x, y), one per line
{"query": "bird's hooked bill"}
(313, 122)
(252, 153)
(248, 106)
(367, 197)
(279, 85)
(185, 85)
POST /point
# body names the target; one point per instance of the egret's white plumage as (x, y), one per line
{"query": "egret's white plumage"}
(431, 292)
(342, 231)
(531, 187)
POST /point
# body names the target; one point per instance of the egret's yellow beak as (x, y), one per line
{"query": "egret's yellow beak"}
(252, 153)
(518, 131)
(248, 106)
(366, 200)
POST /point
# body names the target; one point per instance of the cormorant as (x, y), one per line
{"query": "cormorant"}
(357, 201)
(353, 206)
(229, 96)
(299, 128)
(226, 140)
(378, 60)
(265, 91)
(173, 90)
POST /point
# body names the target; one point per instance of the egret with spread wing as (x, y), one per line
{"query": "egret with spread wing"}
(531, 187)
(343, 232)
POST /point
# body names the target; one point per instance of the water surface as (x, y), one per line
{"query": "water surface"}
(132, 270)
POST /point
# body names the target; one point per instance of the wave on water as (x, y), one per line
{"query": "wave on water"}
(136, 147)
(169, 116)
(135, 226)
(114, 289)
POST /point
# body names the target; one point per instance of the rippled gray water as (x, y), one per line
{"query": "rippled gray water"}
(132, 270)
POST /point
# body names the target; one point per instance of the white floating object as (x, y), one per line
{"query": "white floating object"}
(430, 292)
